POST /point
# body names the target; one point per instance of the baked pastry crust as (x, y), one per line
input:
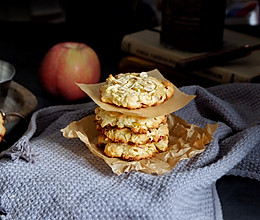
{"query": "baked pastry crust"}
(135, 90)
(129, 151)
(125, 135)
(135, 123)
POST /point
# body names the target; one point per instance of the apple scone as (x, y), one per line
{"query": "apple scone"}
(125, 135)
(135, 90)
(137, 124)
(131, 151)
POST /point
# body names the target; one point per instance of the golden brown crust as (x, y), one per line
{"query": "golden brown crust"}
(131, 151)
(125, 135)
(136, 124)
(126, 151)
(135, 90)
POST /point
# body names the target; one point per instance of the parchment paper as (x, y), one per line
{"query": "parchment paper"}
(185, 141)
(176, 102)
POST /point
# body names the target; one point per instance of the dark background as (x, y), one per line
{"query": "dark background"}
(26, 37)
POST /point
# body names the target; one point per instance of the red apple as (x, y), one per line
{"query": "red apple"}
(66, 64)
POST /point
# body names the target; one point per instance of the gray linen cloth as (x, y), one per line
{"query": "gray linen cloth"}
(50, 177)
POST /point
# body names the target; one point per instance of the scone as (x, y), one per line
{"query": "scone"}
(128, 151)
(119, 120)
(125, 135)
(135, 90)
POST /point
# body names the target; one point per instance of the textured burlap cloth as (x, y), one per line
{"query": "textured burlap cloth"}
(51, 177)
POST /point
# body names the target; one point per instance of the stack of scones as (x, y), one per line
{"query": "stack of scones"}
(132, 137)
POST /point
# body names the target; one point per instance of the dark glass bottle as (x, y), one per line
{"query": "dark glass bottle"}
(193, 25)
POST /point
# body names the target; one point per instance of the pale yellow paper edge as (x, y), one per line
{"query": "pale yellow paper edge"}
(161, 163)
(176, 102)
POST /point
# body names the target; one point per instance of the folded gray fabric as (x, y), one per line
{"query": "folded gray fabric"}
(50, 177)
